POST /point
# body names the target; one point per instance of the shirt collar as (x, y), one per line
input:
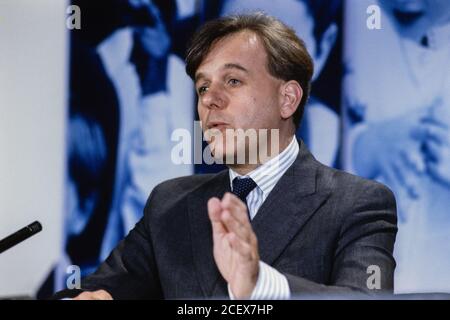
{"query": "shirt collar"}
(267, 175)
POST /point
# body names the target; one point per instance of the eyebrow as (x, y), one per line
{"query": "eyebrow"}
(236, 66)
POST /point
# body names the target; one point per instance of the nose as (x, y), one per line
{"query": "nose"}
(213, 98)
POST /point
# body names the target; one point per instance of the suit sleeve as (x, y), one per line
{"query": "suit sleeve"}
(363, 260)
(130, 271)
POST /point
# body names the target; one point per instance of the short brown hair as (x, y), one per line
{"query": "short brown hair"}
(288, 58)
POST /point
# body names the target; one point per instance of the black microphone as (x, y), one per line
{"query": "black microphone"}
(20, 236)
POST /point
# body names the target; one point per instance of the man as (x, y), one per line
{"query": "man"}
(315, 22)
(313, 230)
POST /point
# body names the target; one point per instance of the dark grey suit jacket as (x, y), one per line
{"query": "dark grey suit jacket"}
(320, 227)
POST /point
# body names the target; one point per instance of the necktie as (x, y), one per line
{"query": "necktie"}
(242, 187)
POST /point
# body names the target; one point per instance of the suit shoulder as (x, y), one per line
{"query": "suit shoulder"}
(172, 191)
(359, 199)
(184, 184)
(345, 183)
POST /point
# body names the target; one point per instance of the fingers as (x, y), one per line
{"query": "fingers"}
(94, 295)
(214, 209)
(234, 226)
(214, 213)
(237, 208)
(235, 216)
(235, 244)
(230, 215)
(244, 249)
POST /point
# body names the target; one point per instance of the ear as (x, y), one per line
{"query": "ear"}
(326, 44)
(291, 95)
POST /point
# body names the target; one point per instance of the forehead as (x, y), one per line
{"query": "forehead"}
(244, 48)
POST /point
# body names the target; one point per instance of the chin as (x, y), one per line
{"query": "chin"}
(221, 152)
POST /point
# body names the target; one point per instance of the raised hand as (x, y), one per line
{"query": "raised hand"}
(235, 244)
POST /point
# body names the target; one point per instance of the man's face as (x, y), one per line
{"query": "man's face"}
(235, 89)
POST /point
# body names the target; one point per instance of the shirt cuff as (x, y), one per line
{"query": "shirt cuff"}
(271, 285)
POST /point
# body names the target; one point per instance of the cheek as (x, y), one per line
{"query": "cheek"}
(250, 112)
(255, 108)
(261, 114)
(201, 112)
(268, 112)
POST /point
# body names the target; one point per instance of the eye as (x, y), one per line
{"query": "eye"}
(234, 82)
(201, 90)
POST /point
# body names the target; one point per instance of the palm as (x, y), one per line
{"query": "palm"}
(235, 246)
(225, 257)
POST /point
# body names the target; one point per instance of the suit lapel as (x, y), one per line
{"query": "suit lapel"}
(211, 281)
(288, 207)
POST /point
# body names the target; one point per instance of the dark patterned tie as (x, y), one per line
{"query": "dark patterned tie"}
(242, 187)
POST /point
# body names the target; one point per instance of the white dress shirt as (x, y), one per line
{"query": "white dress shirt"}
(271, 284)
